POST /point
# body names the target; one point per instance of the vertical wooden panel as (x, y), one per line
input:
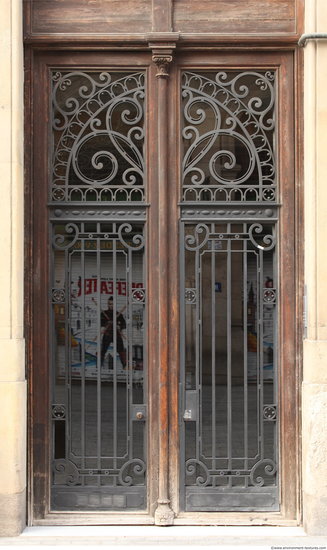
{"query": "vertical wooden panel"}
(39, 370)
(96, 17)
(231, 16)
(153, 276)
(162, 15)
(163, 513)
(289, 368)
(174, 285)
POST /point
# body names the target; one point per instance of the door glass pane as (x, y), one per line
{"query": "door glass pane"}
(97, 136)
(228, 136)
(98, 295)
(229, 280)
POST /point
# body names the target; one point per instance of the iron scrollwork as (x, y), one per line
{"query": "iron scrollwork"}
(267, 241)
(136, 242)
(228, 129)
(99, 136)
(229, 215)
(131, 469)
(66, 472)
(198, 469)
(199, 239)
(216, 251)
(262, 471)
(64, 241)
(97, 212)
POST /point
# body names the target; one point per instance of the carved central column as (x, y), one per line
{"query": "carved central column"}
(162, 57)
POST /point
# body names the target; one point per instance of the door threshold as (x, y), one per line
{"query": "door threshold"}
(129, 519)
(96, 520)
(225, 519)
(200, 519)
(178, 532)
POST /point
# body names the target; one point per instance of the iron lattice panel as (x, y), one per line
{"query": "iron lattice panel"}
(228, 137)
(229, 297)
(97, 212)
(98, 136)
(228, 323)
(98, 366)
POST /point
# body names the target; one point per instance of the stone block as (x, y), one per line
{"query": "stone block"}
(314, 458)
(13, 438)
(12, 514)
(315, 361)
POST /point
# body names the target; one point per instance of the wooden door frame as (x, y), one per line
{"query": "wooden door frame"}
(286, 63)
(36, 301)
(37, 281)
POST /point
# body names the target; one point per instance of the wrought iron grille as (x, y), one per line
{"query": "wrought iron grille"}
(228, 136)
(97, 291)
(98, 136)
(228, 232)
(98, 299)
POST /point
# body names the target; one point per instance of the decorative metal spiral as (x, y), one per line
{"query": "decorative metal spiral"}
(267, 242)
(99, 135)
(136, 467)
(228, 125)
(261, 470)
(137, 240)
(199, 238)
(191, 467)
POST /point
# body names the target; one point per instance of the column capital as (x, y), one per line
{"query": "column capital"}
(162, 56)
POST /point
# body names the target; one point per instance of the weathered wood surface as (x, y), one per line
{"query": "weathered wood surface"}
(162, 260)
(49, 19)
(90, 16)
(235, 16)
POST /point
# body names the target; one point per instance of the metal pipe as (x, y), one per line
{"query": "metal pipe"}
(311, 36)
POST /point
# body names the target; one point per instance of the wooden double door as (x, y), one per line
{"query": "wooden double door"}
(161, 217)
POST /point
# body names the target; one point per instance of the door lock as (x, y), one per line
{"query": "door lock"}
(138, 412)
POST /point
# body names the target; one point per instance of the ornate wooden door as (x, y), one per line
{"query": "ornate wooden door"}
(162, 318)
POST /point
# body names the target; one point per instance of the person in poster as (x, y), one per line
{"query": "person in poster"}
(107, 326)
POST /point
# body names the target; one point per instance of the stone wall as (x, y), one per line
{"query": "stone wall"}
(12, 365)
(314, 410)
(12, 362)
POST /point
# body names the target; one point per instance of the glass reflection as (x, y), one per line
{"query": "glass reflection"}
(228, 136)
(99, 371)
(230, 303)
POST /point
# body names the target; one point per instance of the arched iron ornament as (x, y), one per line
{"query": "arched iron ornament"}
(97, 124)
(228, 135)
